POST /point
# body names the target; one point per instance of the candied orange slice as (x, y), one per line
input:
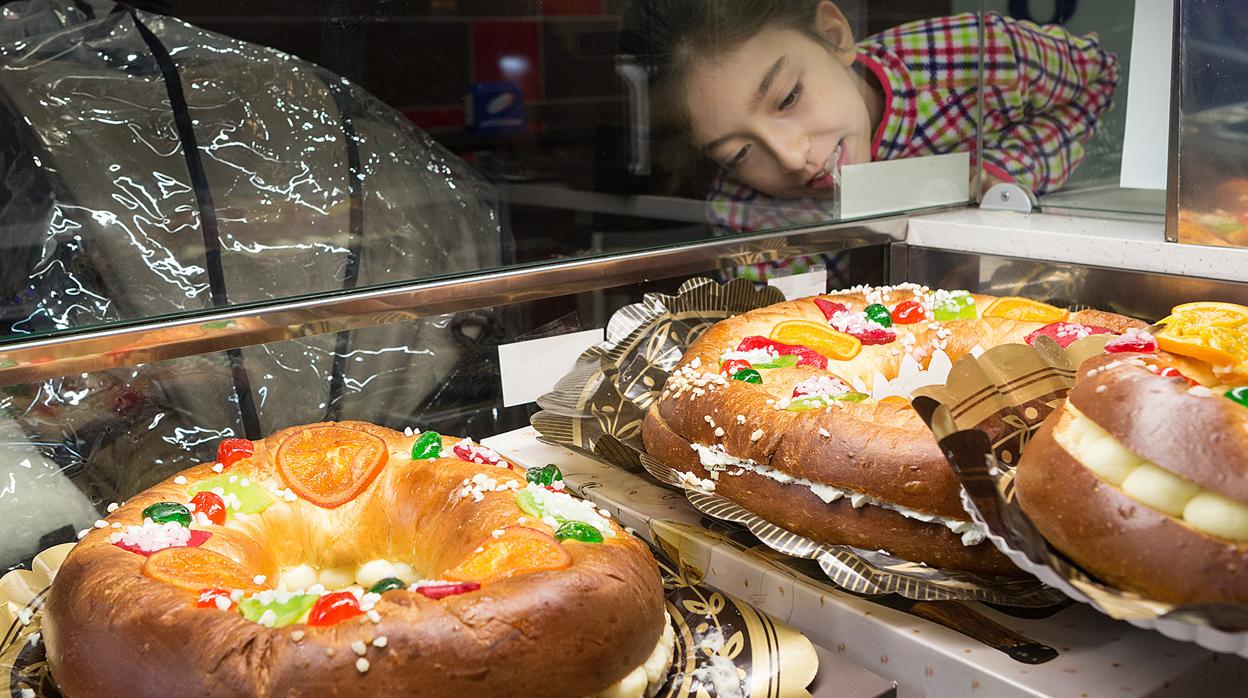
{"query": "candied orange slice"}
(329, 466)
(1026, 310)
(1212, 313)
(195, 569)
(818, 336)
(1219, 346)
(520, 550)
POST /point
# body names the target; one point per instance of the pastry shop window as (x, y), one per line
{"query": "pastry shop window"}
(172, 157)
(71, 445)
(1090, 155)
(1209, 175)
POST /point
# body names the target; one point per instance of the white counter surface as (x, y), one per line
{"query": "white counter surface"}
(1119, 244)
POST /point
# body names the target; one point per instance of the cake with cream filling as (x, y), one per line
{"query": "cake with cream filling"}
(349, 559)
(799, 412)
(1141, 477)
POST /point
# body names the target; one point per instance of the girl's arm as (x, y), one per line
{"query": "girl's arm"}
(1044, 93)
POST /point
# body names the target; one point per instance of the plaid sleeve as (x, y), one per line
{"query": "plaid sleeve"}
(1045, 92)
(738, 208)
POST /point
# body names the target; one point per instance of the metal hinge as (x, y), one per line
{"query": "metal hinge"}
(1009, 197)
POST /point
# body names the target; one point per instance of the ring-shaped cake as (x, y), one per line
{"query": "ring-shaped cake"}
(349, 559)
(799, 412)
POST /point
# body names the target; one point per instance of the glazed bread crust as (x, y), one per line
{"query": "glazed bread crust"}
(797, 509)
(879, 448)
(1118, 539)
(1107, 532)
(112, 631)
(1203, 438)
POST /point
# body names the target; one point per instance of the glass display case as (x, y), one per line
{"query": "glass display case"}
(1208, 194)
(220, 219)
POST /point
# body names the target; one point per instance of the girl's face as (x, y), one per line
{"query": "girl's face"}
(781, 112)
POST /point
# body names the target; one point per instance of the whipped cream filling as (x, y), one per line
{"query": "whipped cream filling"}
(648, 677)
(1147, 482)
(716, 460)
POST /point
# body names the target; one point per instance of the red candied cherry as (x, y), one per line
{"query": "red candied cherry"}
(731, 366)
(211, 505)
(1171, 372)
(875, 336)
(334, 608)
(467, 450)
(1133, 340)
(208, 598)
(231, 451)
(908, 313)
(438, 591)
(829, 308)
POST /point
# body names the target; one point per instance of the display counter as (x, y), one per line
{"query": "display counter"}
(228, 228)
(1123, 266)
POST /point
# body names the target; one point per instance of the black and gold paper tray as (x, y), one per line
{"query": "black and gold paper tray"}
(983, 417)
(598, 410)
(716, 634)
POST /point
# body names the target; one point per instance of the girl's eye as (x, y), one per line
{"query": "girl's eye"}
(791, 98)
(736, 159)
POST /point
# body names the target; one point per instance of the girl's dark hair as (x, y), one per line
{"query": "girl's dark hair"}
(666, 36)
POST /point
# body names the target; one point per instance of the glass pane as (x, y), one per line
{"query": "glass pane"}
(194, 154)
(70, 446)
(1213, 124)
(1055, 108)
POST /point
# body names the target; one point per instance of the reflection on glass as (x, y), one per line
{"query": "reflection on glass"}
(1213, 124)
(210, 152)
(779, 96)
(151, 167)
(1094, 184)
(69, 446)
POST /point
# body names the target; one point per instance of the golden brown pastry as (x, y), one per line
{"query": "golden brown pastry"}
(1141, 477)
(349, 559)
(819, 438)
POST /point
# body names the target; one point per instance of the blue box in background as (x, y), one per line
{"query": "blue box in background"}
(494, 108)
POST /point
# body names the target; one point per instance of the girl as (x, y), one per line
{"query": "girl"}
(779, 96)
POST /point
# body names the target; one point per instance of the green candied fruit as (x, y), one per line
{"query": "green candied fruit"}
(384, 585)
(814, 402)
(427, 446)
(545, 475)
(577, 530)
(251, 498)
(786, 361)
(164, 512)
(955, 305)
(284, 612)
(1239, 395)
(878, 314)
(748, 375)
(528, 504)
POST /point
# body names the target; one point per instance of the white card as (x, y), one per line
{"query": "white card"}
(810, 283)
(531, 368)
(1144, 144)
(888, 186)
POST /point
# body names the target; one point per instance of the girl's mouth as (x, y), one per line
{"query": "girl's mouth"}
(829, 174)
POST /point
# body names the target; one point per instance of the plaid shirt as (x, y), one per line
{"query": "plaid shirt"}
(1044, 93)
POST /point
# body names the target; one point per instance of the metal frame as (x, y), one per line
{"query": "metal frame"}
(1141, 294)
(1176, 115)
(146, 341)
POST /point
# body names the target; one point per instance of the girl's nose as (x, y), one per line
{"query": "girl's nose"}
(790, 150)
(793, 152)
